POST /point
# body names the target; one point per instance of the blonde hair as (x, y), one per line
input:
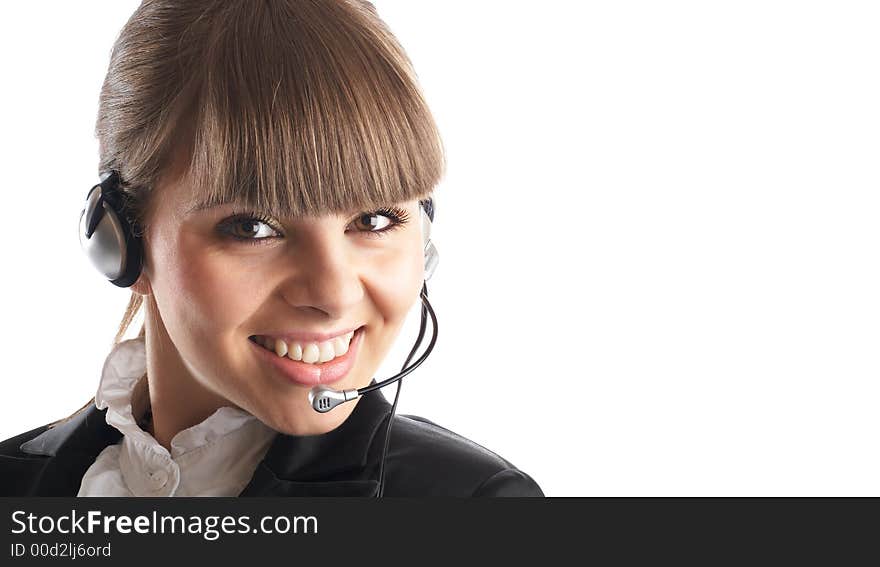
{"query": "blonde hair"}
(293, 107)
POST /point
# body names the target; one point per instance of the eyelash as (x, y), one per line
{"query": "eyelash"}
(398, 217)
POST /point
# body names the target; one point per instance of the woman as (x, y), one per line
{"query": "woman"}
(272, 165)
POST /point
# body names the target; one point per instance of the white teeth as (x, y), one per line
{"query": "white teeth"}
(340, 345)
(310, 353)
(296, 351)
(328, 352)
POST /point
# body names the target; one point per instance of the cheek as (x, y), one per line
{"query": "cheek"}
(397, 282)
(209, 293)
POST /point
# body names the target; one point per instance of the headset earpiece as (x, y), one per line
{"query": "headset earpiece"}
(432, 257)
(105, 234)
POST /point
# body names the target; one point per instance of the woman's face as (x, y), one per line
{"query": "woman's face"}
(219, 276)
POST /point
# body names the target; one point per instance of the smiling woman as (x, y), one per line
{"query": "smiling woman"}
(273, 164)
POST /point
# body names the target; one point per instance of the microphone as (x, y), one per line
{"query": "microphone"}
(324, 398)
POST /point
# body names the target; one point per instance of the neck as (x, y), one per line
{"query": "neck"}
(177, 400)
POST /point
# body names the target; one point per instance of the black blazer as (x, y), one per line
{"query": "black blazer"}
(424, 459)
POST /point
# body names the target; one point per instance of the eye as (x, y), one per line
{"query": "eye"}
(382, 221)
(251, 227)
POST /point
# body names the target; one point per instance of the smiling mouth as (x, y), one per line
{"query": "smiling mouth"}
(308, 352)
(323, 369)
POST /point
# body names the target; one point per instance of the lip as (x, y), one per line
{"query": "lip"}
(314, 374)
(308, 337)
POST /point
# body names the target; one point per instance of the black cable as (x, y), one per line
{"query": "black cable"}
(422, 325)
(405, 371)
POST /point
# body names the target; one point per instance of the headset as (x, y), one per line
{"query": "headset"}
(113, 246)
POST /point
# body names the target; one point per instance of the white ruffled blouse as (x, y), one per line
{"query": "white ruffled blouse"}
(216, 457)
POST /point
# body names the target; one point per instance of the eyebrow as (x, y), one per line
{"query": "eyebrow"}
(204, 205)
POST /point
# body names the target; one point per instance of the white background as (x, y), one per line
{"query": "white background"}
(658, 236)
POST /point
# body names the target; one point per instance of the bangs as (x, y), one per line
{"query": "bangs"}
(308, 113)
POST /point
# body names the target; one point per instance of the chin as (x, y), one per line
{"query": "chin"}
(311, 423)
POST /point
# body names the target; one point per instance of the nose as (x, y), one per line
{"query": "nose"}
(324, 276)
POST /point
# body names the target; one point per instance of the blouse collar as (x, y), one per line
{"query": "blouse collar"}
(149, 469)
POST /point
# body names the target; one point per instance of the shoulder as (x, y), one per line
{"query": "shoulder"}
(426, 459)
(11, 447)
(17, 468)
